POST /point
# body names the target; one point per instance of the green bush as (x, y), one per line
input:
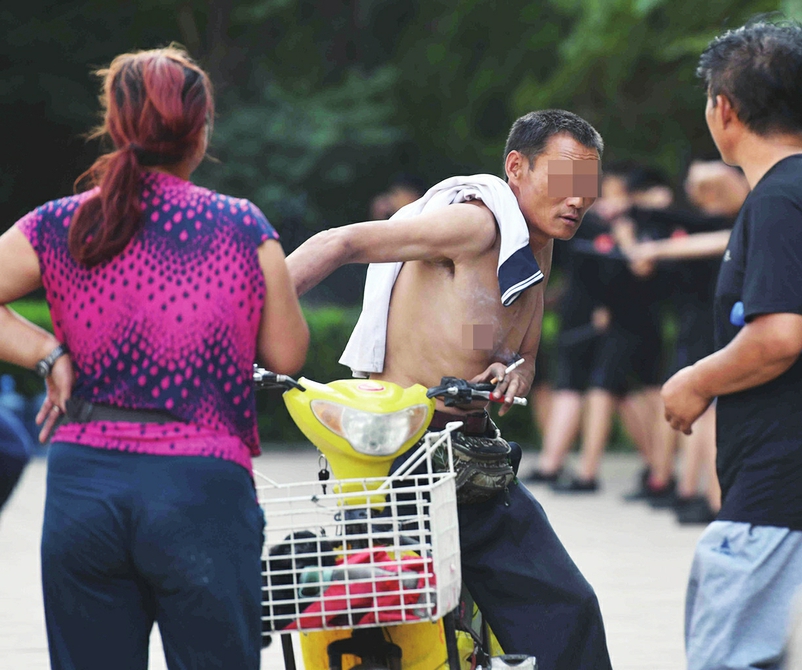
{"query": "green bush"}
(36, 311)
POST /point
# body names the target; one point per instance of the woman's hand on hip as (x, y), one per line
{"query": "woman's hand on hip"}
(59, 388)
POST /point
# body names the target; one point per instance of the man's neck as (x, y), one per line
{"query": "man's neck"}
(757, 155)
(537, 240)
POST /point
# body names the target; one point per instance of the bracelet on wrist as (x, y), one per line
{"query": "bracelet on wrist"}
(44, 367)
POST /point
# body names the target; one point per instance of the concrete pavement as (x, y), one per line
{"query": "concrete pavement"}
(636, 558)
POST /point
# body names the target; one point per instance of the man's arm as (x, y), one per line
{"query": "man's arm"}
(519, 381)
(763, 350)
(453, 232)
(697, 245)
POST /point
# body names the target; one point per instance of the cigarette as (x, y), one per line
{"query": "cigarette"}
(509, 369)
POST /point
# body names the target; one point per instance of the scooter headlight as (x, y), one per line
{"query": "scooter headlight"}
(368, 432)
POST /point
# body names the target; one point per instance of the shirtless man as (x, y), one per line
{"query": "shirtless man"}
(446, 318)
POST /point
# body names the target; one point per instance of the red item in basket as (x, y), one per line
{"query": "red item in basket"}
(387, 598)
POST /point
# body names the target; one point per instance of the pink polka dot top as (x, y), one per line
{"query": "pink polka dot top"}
(168, 324)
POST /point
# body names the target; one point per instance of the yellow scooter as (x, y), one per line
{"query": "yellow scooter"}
(364, 562)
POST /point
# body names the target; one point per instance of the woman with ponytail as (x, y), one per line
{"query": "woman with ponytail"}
(162, 295)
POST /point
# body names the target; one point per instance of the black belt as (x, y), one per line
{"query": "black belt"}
(472, 424)
(81, 411)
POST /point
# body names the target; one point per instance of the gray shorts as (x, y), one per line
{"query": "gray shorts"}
(740, 591)
(793, 656)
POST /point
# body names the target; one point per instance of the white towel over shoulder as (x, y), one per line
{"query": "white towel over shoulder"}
(517, 268)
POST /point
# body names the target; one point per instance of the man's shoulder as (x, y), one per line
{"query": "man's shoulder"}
(783, 182)
(477, 212)
(473, 221)
(777, 199)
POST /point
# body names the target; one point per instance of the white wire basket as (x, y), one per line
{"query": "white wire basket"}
(356, 553)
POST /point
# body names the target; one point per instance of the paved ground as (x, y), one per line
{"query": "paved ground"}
(636, 558)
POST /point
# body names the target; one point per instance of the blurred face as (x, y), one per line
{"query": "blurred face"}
(614, 200)
(656, 197)
(399, 196)
(557, 190)
(715, 188)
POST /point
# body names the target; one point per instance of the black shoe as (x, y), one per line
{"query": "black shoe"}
(636, 496)
(642, 490)
(694, 510)
(664, 497)
(537, 476)
(663, 500)
(574, 484)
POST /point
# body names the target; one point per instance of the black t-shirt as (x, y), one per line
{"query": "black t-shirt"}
(599, 274)
(759, 430)
(692, 282)
(633, 301)
(581, 272)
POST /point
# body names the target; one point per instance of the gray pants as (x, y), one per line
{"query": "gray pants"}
(740, 591)
(793, 658)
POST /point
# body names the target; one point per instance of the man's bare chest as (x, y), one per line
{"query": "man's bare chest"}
(464, 305)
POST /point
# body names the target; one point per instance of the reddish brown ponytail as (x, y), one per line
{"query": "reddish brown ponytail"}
(156, 107)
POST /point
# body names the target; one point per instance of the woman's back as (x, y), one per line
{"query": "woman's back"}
(171, 322)
(163, 293)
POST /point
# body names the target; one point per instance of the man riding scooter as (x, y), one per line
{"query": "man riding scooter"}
(457, 289)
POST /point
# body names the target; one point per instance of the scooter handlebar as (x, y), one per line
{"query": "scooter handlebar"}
(265, 379)
(454, 391)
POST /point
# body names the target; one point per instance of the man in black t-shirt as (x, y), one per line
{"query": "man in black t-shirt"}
(748, 563)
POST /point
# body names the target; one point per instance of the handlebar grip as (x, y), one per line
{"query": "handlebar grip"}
(516, 401)
(265, 379)
(454, 392)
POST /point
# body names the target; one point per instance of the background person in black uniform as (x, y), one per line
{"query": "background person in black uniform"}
(748, 563)
(574, 353)
(625, 370)
(584, 322)
(717, 191)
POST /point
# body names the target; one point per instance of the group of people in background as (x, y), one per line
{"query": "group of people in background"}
(635, 265)
(644, 257)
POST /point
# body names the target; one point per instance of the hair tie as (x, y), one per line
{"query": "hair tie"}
(147, 158)
(136, 150)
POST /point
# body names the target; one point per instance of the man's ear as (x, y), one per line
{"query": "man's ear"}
(725, 110)
(515, 165)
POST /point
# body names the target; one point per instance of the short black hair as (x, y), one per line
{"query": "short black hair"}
(619, 168)
(758, 67)
(410, 181)
(644, 177)
(530, 133)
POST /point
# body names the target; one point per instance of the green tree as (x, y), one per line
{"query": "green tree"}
(628, 66)
(304, 111)
(320, 103)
